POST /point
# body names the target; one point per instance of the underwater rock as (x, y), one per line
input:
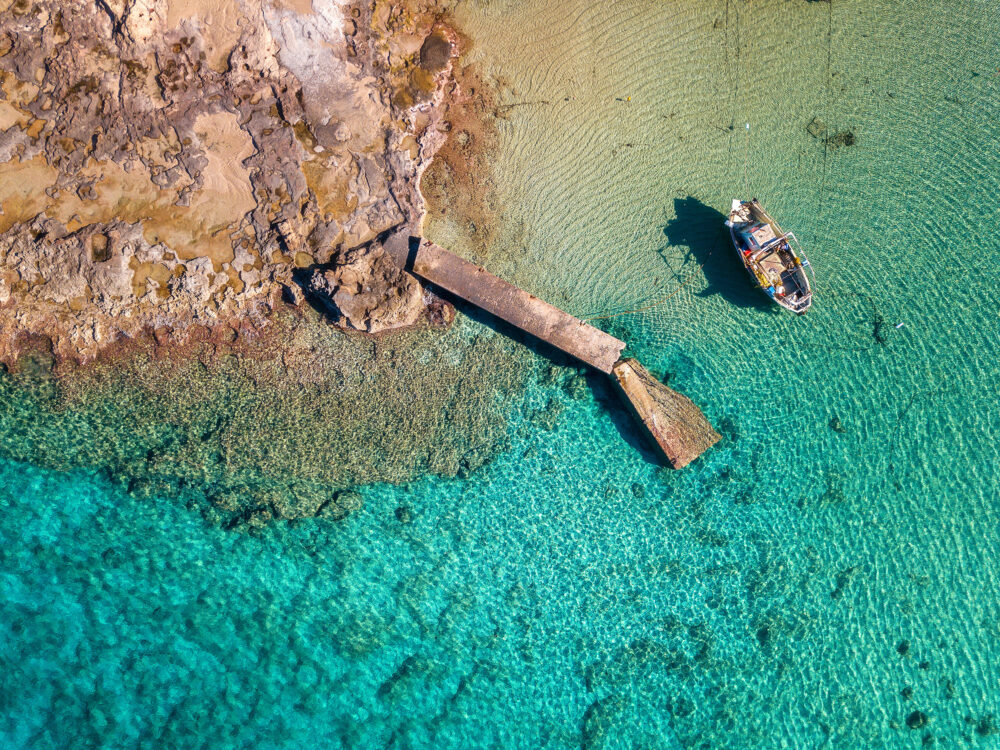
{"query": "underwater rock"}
(553, 374)
(729, 428)
(843, 138)
(917, 720)
(577, 387)
(819, 130)
(404, 514)
(599, 720)
(388, 689)
(987, 726)
(280, 419)
(843, 578)
(366, 291)
(836, 425)
(680, 708)
(763, 635)
(903, 648)
(547, 417)
(341, 505)
(949, 689)
(709, 537)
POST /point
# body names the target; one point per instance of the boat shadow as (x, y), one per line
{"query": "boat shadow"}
(702, 229)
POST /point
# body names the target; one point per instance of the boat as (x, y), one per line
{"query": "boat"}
(772, 257)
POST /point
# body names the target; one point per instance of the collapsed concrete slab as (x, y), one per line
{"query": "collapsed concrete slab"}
(677, 426)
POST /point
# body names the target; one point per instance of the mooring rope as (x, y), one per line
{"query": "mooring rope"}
(662, 300)
(650, 306)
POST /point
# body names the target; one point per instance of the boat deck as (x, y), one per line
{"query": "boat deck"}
(772, 265)
(773, 260)
(781, 275)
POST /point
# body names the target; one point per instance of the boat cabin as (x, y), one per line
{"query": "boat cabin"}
(759, 236)
(769, 256)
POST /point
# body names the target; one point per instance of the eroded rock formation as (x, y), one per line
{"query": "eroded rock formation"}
(365, 290)
(165, 163)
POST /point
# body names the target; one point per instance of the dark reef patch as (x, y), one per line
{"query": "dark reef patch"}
(435, 52)
(280, 427)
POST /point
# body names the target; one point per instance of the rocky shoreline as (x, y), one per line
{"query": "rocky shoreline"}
(194, 297)
(194, 288)
(174, 167)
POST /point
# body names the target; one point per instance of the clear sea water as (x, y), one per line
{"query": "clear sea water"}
(798, 586)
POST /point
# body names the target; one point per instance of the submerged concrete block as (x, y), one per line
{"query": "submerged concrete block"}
(673, 421)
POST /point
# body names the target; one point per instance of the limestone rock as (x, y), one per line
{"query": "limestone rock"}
(172, 163)
(366, 291)
(917, 720)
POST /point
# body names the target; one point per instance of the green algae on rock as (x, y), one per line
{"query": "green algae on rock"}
(273, 429)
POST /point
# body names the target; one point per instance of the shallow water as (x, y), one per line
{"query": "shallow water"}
(798, 586)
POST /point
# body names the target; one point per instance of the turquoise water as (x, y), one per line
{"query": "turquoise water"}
(828, 571)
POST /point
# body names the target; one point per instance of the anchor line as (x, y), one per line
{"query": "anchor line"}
(829, 59)
(661, 301)
(746, 165)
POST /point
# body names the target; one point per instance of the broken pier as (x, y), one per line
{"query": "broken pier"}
(672, 420)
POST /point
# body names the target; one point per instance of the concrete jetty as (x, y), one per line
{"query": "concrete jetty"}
(525, 311)
(674, 423)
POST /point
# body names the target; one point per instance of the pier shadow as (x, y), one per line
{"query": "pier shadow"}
(614, 405)
(602, 386)
(702, 229)
(605, 392)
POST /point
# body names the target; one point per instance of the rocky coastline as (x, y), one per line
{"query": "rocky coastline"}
(194, 297)
(195, 292)
(171, 167)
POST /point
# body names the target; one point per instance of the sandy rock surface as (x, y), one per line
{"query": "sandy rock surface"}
(165, 163)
